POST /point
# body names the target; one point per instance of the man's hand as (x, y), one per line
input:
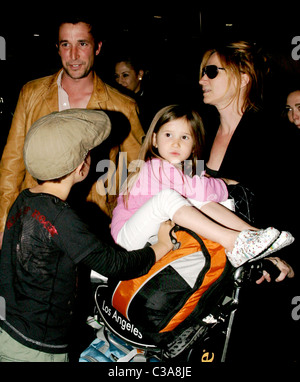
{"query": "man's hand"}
(164, 244)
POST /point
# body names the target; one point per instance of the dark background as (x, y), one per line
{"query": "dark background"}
(172, 38)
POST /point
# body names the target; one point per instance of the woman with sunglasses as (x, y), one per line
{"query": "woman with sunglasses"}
(243, 145)
(239, 143)
(242, 142)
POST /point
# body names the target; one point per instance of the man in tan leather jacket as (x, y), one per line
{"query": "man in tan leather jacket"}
(75, 86)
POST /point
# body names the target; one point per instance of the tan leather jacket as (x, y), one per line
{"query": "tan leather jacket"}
(38, 98)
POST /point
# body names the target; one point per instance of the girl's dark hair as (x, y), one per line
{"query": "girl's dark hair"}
(170, 113)
(163, 116)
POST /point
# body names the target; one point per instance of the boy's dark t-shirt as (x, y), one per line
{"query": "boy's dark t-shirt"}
(43, 242)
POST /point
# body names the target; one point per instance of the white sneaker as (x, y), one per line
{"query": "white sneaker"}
(249, 244)
(284, 239)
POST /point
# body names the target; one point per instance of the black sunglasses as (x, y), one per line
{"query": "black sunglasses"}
(211, 71)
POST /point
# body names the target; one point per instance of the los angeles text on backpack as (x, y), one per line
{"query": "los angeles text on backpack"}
(182, 288)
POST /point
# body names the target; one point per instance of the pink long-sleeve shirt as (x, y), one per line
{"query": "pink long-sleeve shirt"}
(157, 175)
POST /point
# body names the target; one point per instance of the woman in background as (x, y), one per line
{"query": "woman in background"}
(134, 80)
(293, 107)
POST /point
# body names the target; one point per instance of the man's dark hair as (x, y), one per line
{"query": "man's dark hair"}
(81, 17)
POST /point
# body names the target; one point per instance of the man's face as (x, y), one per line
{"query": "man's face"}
(77, 49)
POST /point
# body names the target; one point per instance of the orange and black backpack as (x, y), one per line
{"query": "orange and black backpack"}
(180, 290)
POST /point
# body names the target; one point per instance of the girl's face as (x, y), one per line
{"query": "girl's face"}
(293, 108)
(218, 91)
(126, 76)
(174, 140)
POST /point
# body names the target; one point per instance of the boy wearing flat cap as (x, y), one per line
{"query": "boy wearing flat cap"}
(44, 240)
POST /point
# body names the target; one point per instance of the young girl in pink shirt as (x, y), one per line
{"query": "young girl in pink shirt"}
(165, 184)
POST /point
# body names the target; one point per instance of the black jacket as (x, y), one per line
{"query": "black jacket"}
(44, 240)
